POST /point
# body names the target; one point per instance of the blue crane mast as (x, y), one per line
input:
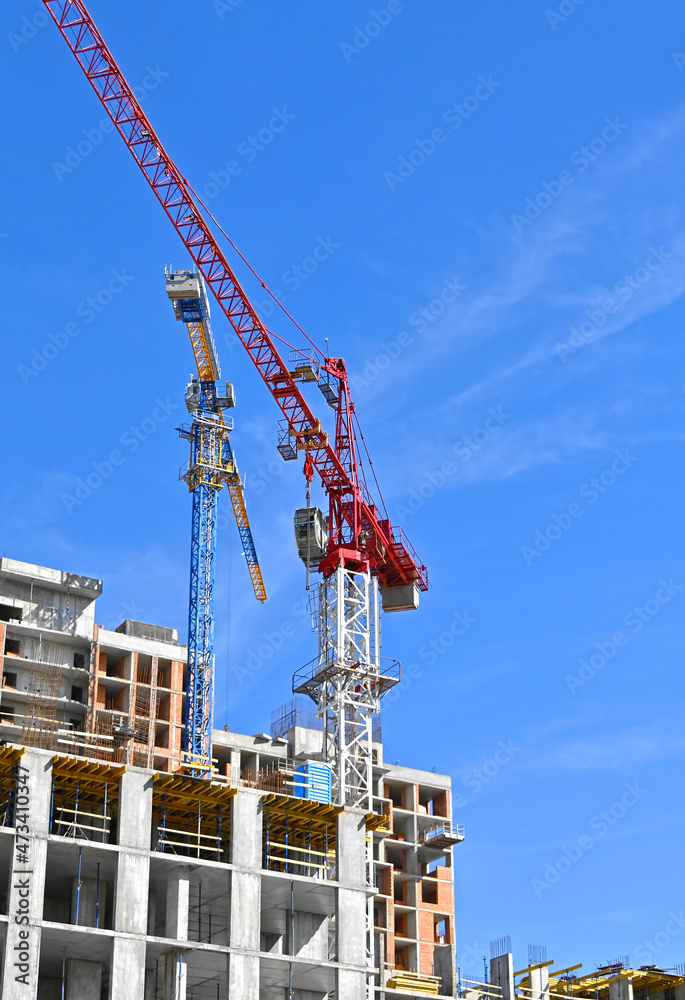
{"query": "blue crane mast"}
(211, 466)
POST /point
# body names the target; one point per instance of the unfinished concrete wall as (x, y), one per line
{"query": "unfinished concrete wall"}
(131, 892)
(245, 897)
(351, 910)
(27, 886)
(502, 975)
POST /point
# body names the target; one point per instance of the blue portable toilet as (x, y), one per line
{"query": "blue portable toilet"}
(313, 781)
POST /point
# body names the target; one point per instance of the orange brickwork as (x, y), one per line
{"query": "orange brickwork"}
(136, 705)
(417, 912)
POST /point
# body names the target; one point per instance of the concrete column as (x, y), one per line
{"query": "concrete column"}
(311, 936)
(127, 981)
(539, 983)
(131, 891)
(235, 768)
(621, 988)
(352, 910)
(502, 975)
(84, 980)
(27, 885)
(244, 919)
(177, 904)
(175, 979)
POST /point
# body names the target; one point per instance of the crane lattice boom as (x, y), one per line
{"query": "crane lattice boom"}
(382, 547)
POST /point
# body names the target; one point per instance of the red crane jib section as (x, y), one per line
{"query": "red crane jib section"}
(358, 534)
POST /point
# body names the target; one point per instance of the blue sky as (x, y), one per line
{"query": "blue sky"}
(497, 190)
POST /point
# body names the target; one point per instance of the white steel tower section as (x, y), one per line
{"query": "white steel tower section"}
(347, 679)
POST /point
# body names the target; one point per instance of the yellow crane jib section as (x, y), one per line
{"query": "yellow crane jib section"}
(235, 491)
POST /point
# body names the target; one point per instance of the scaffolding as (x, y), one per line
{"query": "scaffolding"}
(298, 712)
(192, 817)
(40, 725)
(299, 837)
(84, 800)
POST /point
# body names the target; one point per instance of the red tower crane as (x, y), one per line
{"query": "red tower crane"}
(363, 551)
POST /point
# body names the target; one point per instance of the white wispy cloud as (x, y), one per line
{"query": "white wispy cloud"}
(568, 263)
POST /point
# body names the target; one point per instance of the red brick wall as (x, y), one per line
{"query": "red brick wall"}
(427, 913)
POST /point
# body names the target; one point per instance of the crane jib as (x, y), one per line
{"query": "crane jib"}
(393, 558)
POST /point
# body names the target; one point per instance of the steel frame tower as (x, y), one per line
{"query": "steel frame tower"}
(211, 466)
(210, 460)
(348, 677)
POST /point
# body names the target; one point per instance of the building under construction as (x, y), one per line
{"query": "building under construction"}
(131, 878)
(539, 980)
(149, 855)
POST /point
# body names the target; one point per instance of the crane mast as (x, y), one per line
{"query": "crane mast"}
(210, 467)
(364, 560)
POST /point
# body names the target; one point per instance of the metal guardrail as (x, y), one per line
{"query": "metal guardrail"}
(453, 831)
(322, 667)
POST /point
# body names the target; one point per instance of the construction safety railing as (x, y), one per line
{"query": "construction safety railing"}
(191, 818)
(84, 799)
(309, 678)
(473, 989)
(299, 838)
(443, 831)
